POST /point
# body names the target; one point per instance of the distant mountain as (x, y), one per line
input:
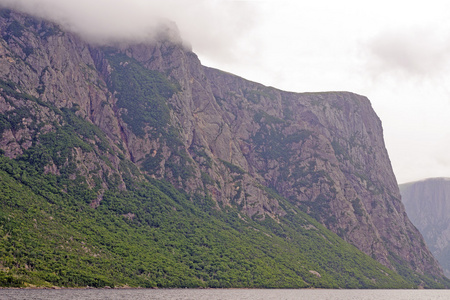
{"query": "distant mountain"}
(133, 164)
(427, 204)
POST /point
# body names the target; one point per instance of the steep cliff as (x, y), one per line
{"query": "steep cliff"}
(143, 111)
(427, 204)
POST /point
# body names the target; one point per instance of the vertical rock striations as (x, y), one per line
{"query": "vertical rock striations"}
(427, 203)
(217, 136)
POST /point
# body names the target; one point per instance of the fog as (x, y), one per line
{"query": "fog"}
(213, 28)
(394, 52)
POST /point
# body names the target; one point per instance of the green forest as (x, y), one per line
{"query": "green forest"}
(153, 236)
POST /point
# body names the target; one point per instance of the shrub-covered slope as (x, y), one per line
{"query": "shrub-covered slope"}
(153, 236)
(135, 165)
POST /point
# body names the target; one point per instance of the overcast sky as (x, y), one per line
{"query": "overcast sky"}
(394, 52)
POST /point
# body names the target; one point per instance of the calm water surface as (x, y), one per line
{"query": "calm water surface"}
(229, 294)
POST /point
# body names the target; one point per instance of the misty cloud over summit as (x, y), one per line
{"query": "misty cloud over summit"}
(213, 28)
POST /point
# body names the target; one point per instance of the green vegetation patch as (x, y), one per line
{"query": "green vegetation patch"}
(271, 143)
(15, 29)
(143, 93)
(233, 168)
(153, 236)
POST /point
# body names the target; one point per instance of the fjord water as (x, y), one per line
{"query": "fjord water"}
(222, 294)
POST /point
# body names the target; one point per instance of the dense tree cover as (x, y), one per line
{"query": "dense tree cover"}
(153, 236)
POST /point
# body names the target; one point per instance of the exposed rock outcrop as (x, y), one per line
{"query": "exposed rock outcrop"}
(215, 135)
(427, 203)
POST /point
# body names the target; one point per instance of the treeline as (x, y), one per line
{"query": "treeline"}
(143, 237)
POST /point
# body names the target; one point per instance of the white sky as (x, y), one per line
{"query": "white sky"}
(394, 52)
(397, 53)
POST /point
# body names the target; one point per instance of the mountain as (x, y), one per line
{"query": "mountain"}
(427, 204)
(132, 163)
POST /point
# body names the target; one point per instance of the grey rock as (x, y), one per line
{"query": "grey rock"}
(427, 204)
(238, 143)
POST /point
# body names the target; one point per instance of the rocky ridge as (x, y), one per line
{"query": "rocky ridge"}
(427, 203)
(217, 136)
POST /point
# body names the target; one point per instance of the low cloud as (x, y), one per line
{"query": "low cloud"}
(214, 28)
(415, 53)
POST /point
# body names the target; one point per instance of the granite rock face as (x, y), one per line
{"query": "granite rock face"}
(215, 135)
(427, 203)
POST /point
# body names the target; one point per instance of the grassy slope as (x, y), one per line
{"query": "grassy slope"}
(51, 238)
(151, 235)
